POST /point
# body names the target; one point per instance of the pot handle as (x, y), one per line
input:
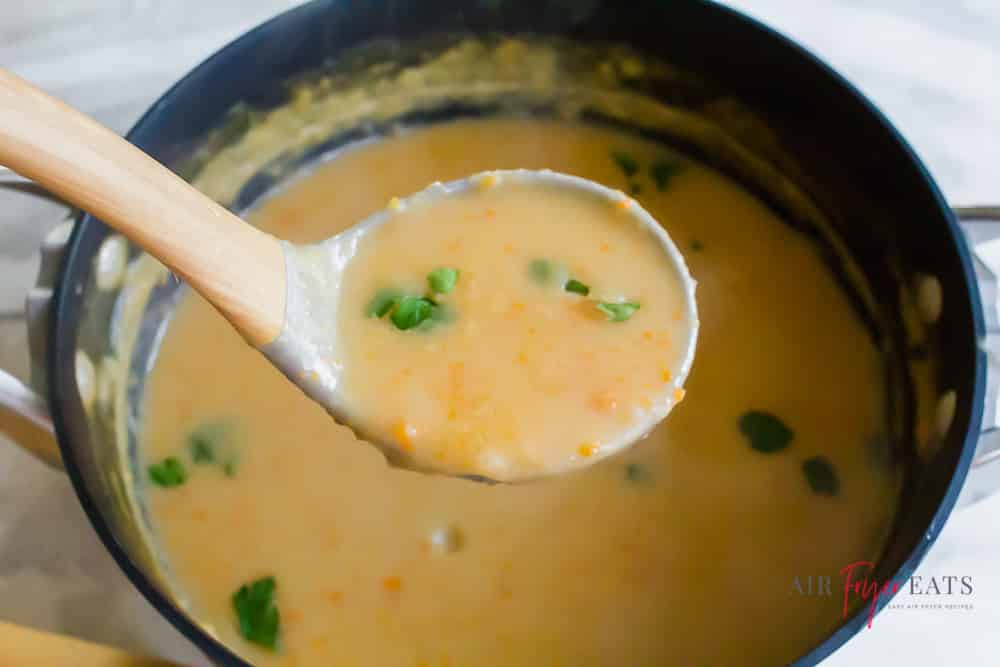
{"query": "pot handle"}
(24, 414)
(24, 418)
(983, 235)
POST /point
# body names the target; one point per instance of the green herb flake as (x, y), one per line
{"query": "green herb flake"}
(383, 302)
(202, 449)
(628, 164)
(662, 171)
(576, 287)
(821, 476)
(636, 472)
(697, 246)
(229, 469)
(411, 311)
(541, 270)
(766, 433)
(168, 473)
(617, 312)
(442, 280)
(257, 613)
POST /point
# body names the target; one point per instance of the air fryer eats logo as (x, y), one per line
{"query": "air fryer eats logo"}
(858, 585)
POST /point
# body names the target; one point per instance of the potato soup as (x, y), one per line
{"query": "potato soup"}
(296, 544)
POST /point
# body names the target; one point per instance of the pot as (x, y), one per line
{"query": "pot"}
(719, 85)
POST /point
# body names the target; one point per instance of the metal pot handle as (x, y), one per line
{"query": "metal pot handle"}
(983, 235)
(24, 414)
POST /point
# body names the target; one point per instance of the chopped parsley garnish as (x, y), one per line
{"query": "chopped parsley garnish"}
(541, 270)
(821, 476)
(411, 311)
(385, 300)
(257, 613)
(766, 433)
(207, 445)
(662, 170)
(628, 164)
(635, 472)
(576, 287)
(617, 312)
(202, 448)
(442, 280)
(168, 473)
(697, 246)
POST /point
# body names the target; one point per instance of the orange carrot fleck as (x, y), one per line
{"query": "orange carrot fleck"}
(517, 307)
(624, 204)
(334, 597)
(392, 584)
(605, 247)
(666, 375)
(587, 449)
(679, 395)
(647, 334)
(604, 402)
(491, 213)
(404, 434)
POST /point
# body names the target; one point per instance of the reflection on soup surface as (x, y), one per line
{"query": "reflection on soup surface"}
(298, 545)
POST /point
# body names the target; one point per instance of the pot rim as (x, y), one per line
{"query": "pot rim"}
(61, 350)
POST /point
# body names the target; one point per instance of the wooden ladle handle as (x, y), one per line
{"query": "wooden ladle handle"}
(238, 268)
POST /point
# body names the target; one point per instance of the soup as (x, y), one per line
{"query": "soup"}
(518, 329)
(296, 544)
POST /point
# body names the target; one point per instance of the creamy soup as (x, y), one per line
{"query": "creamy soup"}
(296, 544)
(517, 329)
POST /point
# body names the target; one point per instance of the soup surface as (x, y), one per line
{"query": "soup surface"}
(515, 330)
(692, 548)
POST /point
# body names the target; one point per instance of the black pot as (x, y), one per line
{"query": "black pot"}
(796, 117)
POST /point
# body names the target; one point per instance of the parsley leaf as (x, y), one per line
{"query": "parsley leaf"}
(411, 311)
(168, 473)
(636, 472)
(576, 287)
(662, 170)
(202, 448)
(384, 301)
(541, 270)
(821, 476)
(766, 433)
(442, 280)
(628, 164)
(257, 613)
(617, 312)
